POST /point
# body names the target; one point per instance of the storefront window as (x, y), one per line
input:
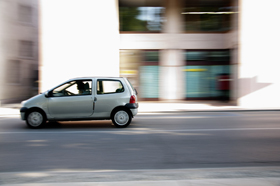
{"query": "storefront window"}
(142, 70)
(208, 56)
(204, 70)
(151, 56)
(195, 56)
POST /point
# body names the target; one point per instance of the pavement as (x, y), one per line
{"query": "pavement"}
(249, 176)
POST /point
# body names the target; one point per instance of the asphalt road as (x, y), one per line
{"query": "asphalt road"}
(157, 141)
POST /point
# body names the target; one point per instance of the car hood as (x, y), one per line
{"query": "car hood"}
(35, 101)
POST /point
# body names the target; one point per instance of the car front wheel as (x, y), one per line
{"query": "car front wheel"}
(35, 119)
(121, 118)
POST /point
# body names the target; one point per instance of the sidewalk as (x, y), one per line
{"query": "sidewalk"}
(245, 176)
(197, 106)
(167, 107)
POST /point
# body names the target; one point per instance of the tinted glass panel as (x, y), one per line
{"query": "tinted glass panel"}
(151, 56)
(207, 16)
(149, 81)
(218, 55)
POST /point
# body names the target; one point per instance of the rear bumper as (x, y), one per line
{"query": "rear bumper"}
(134, 111)
(132, 105)
(133, 108)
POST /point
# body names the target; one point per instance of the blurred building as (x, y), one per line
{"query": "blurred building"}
(169, 49)
(18, 49)
(182, 47)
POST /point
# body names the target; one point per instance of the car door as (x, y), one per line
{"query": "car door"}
(71, 100)
(109, 94)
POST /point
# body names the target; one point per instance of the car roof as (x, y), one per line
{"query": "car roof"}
(98, 77)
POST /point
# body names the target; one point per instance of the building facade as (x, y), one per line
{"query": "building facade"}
(18, 50)
(169, 49)
(192, 43)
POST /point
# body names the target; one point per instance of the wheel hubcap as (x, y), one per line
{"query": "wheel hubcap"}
(121, 117)
(35, 119)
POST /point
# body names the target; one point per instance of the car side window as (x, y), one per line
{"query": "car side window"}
(73, 88)
(109, 87)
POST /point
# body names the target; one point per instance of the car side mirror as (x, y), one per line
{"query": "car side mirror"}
(47, 94)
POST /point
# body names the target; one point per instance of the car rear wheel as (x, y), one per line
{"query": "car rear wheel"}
(35, 119)
(121, 118)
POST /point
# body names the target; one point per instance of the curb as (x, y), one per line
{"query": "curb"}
(224, 110)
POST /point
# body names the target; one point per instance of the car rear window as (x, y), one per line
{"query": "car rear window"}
(109, 86)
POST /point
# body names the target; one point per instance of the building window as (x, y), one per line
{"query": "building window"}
(140, 17)
(207, 16)
(203, 72)
(13, 72)
(25, 13)
(26, 49)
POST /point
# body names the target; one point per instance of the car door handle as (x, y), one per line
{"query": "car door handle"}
(94, 100)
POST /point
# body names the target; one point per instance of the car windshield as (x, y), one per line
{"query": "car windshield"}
(64, 86)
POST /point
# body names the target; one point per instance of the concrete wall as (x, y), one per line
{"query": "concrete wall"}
(259, 76)
(175, 41)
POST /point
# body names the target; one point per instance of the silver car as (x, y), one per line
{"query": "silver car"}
(90, 98)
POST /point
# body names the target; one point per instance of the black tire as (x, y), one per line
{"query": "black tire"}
(35, 119)
(121, 118)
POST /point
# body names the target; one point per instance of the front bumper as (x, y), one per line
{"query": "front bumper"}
(23, 110)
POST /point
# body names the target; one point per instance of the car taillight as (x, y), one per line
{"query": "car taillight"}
(132, 99)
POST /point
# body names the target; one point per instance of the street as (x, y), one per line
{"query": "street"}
(152, 141)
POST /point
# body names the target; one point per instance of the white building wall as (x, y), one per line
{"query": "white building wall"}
(259, 76)
(77, 43)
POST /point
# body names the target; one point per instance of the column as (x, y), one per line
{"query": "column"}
(171, 76)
